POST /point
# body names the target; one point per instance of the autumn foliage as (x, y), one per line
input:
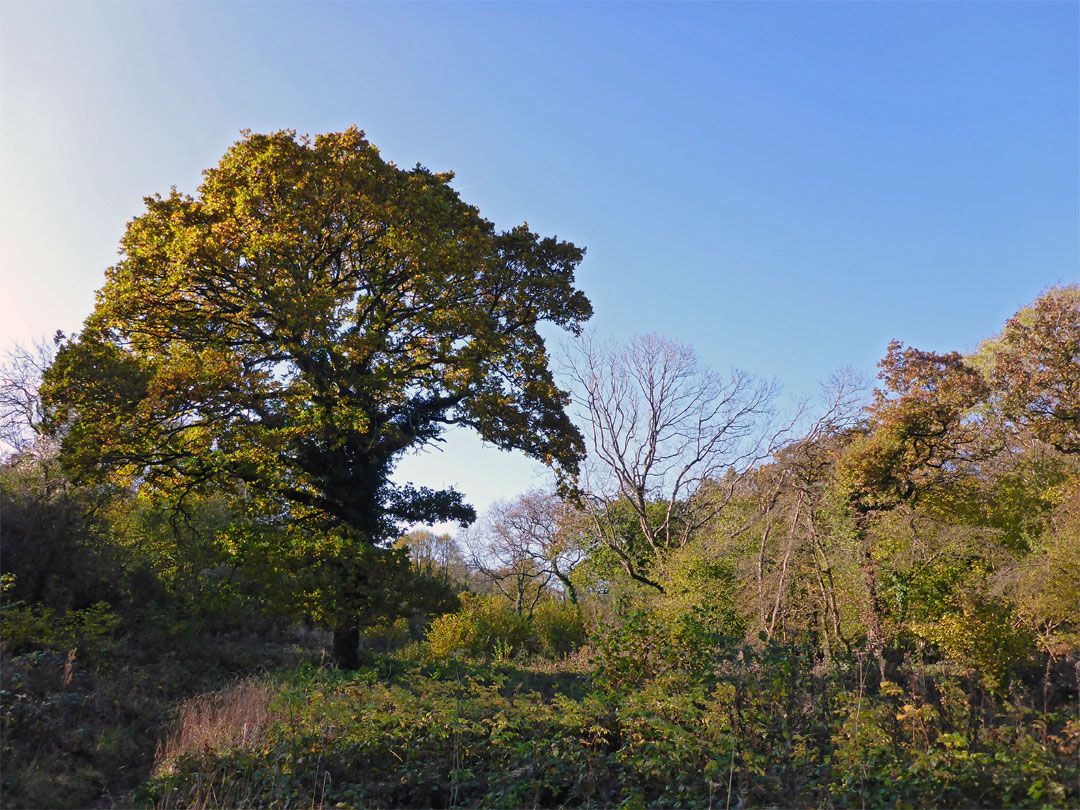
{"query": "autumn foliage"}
(210, 597)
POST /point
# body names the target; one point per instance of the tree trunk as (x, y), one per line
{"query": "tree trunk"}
(347, 647)
(571, 591)
(877, 610)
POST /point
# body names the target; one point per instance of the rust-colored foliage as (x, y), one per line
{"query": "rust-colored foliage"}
(922, 428)
(1035, 365)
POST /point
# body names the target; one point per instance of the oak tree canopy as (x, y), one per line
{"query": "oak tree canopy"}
(311, 313)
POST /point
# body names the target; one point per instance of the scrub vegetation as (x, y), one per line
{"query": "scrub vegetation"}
(214, 593)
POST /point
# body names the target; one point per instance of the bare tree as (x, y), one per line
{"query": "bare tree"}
(502, 563)
(547, 530)
(670, 438)
(791, 491)
(20, 403)
(528, 547)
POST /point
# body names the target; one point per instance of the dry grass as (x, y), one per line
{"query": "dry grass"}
(235, 717)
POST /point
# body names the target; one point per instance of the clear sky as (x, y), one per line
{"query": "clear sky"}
(786, 186)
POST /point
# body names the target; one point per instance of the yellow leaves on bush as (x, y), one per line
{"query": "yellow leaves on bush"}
(983, 637)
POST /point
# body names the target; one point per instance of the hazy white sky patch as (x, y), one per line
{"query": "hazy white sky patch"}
(13, 326)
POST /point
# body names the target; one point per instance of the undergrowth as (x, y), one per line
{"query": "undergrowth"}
(726, 727)
(81, 718)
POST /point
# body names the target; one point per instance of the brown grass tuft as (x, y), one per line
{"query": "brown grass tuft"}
(235, 717)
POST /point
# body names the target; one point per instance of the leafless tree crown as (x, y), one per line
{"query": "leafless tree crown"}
(527, 547)
(663, 430)
(20, 404)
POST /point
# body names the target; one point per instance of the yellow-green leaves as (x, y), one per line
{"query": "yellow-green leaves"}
(307, 315)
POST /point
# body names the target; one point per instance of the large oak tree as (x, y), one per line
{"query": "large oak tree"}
(309, 315)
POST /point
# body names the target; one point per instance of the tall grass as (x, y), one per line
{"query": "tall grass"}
(233, 718)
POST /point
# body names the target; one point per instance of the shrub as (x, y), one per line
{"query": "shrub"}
(983, 637)
(484, 625)
(24, 628)
(558, 628)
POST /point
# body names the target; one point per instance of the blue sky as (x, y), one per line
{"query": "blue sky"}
(786, 186)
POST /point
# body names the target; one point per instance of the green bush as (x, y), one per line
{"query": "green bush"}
(24, 628)
(558, 628)
(484, 625)
(700, 590)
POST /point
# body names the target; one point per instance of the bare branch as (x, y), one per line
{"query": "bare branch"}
(20, 404)
(664, 432)
(525, 546)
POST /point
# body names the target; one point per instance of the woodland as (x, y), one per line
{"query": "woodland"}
(216, 594)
